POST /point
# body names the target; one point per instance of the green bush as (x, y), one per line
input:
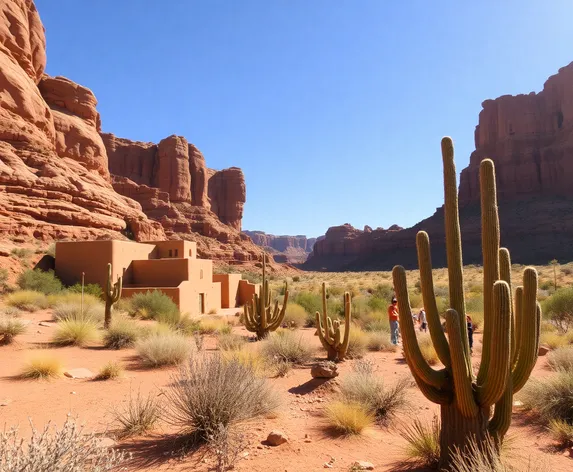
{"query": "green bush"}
(384, 292)
(155, 306)
(559, 308)
(311, 302)
(21, 253)
(38, 281)
(89, 289)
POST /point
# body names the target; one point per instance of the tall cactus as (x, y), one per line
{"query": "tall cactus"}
(328, 331)
(260, 317)
(111, 294)
(511, 328)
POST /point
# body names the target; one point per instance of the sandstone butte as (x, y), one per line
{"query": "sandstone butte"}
(291, 249)
(530, 139)
(62, 178)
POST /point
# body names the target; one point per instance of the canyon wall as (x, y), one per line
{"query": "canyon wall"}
(292, 249)
(530, 139)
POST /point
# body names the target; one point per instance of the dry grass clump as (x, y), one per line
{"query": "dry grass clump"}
(230, 342)
(163, 349)
(76, 333)
(72, 297)
(348, 418)
(357, 343)
(138, 415)
(561, 359)
(286, 346)
(214, 326)
(250, 359)
(553, 340)
(121, 334)
(70, 308)
(374, 321)
(69, 449)
(209, 391)
(111, 370)
(154, 305)
(362, 387)
(380, 341)
(42, 365)
(10, 312)
(423, 442)
(427, 349)
(295, 316)
(27, 300)
(9, 329)
(561, 432)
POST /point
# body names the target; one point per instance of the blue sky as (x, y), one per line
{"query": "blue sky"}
(334, 109)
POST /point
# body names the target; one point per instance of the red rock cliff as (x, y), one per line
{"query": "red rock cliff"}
(293, 249)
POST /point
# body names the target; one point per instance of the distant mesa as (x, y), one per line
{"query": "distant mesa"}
(291, 249)
(530, 139)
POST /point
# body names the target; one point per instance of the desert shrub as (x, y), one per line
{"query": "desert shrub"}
(75, 332)
(111, 370)
(427, 349)
(348, 418)
(380, 341)
(188, 326)
(423, 442)
(3, 277)
(362, 387)
(214, 326)
(73, 311)
(561, 432)
(38, 281)
(230, 342)
(21, 252)
(209, 391)
(378, 304)
(69, 449)
(360, 307)
(296, 278)
(375, 321)
(478, 458)
(138, 415)
(385, 292)
(9, 329)
(547, 327)
(295, 316)
(41, 366)
(163, 349)
(247, 358)
(561, 359)
(27, 300)
(89, 289)
(550, 398)
(553, 340)
(122, 333)
(64, 297)
(286, 346)
(154, 305)
(311, 302)
(11, 312)
(559, 308)
(357, 344)
(416, 300)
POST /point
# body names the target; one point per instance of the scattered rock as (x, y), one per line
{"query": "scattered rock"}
(362, 465)
(276, 438)
(80, 373)
(543, 349)
(4, 252)
(107, 443)
(47, 324)
(327, 465)
(324, 370)
(5, 401)
(518, 403)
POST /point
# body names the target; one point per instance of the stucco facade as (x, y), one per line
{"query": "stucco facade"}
(169, 266)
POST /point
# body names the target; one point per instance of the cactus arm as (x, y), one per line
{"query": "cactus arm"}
(462, 375)
(454, 241)
(435, 378)
(441, 397)
(321, 332)
(518, 323)
(505, 275)
(490, 252)
(527, 355)
(493, 388)
(111, 295)
(427, 282)
(501, 419)
(279, 315)
(347, 315)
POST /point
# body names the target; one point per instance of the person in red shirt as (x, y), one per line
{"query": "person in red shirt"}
(393, 317)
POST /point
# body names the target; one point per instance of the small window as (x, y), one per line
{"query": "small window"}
(176, 251)
(170, 253)
(190, 252)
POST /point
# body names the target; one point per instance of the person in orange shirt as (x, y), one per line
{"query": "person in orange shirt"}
(393, 317)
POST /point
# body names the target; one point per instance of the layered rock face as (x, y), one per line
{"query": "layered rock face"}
(292, 249)
(530, 139)
(54, 181)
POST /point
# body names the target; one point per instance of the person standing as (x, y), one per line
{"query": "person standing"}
(470, 332)
(422, 320)
(393, 317)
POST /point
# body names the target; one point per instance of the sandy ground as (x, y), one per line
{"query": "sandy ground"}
(310, 446)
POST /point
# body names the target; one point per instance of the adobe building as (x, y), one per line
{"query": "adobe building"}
(169, 266)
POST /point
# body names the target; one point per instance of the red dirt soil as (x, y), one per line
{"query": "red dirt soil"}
(309, 446)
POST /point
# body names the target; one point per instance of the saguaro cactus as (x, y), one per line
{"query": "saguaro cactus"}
(328, 331)
(511, 330)
(260, 317)
(111, 294)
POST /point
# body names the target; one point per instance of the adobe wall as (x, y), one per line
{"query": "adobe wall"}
(123, 253)
(171, 292)
(246, 291)
(159, 272)
(229, 289)
(175, 249)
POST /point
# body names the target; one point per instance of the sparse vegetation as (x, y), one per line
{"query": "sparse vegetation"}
(427, 349)
(138, 415)
(348, 418)
(111, 370)
(27, 300)
(163, 349)
(154, 305)
(295, 316)
(42, 365)
(561, 432)
(561, 359)
(38, 281)
(9, 329)
(553, 340)
(551, 398)
(75, 332)
(92, 310)
(559, 308)
(209, 391)
(286, 346)
(423, 442)
(380, 341)
(357, 343)
(89, 289)
(121, 334)
(230, 342)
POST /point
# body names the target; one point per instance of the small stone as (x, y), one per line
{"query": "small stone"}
(324, 370)
(80, 373)
(306, 436)
(518, 403)
(260, 447)
(106, 442)
(327, 465)
(362, 465)
(276, 438)
(244, 454)
(5, 401)
(47, 324)
(72, 393)
(543, 349)
(4, 252)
